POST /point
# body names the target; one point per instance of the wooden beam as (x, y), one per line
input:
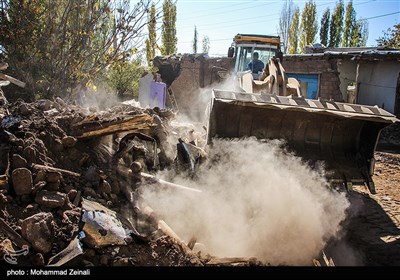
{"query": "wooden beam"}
(166, 230)
(92, 128)
(49, 168)
(12, 80)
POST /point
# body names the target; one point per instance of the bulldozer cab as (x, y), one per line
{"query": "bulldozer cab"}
(245, 55)
(246, 45)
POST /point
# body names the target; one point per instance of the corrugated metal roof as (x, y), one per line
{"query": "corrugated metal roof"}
(362, 53)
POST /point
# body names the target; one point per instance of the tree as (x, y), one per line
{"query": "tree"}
(19, 24)
(195, 40)
(324, 30)
(168, 29)
(206, 44)
(285, 22)
(151, 41)
(57, 48)
(336, 28)
(309, 25)
(390, 38)
(294, 31)
(359, 36)
(124, 76)
(350, 27)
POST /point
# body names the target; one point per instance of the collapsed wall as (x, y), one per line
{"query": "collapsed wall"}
(186, 75)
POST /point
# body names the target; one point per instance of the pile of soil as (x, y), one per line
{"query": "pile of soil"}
(49, 166)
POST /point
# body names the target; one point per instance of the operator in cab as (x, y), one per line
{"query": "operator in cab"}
(256, 66)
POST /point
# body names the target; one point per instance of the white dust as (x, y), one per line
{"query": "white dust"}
(257, 201)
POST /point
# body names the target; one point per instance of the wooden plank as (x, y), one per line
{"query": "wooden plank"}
(166, 230)
(92, 129)
(49, 168)
(12, 80)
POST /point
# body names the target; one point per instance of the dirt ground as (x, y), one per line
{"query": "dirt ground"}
(372, 235)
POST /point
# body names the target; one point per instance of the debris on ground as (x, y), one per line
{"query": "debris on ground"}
(61, 175)
(69, 184)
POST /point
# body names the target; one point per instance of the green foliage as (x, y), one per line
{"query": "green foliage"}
(195, 40)
(324, 29)
(151, 41)
(168, 29)
(309, 25)
(22, 47)
(336, 28)
(206, 44)
(391, 38)
(57, 48)
(124, 75)
(359, 34)
(294, 31)
(349, 25)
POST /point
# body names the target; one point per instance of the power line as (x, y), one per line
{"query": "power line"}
(224, 8)
(245, 19)
(234, 20)
(225, 12)
(389, 14)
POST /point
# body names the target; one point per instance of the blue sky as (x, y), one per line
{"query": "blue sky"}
(221, 20)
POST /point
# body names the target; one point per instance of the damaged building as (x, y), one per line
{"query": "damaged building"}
(367, 76)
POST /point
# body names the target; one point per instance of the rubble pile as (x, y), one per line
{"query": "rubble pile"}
(68, 186)
(390, 137)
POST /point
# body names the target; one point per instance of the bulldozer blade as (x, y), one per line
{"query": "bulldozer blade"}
(342, 136)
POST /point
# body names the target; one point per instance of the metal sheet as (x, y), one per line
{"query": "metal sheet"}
(341, 136)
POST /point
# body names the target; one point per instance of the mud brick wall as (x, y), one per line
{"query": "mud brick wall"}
(192, 87)
(329, 82)
(185, 87)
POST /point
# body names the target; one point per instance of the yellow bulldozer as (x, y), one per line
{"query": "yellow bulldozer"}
(269, 105)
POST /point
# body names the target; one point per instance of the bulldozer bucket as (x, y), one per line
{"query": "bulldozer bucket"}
(342, 136)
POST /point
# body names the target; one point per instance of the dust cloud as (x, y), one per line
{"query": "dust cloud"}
(257, 201)
(198, 102)
(98, 99)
